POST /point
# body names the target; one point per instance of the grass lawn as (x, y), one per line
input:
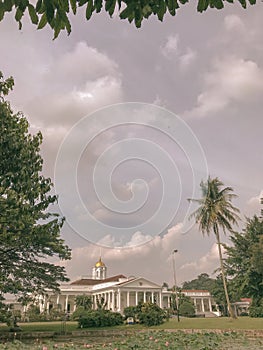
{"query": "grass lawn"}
(214, 323)
(185, 323)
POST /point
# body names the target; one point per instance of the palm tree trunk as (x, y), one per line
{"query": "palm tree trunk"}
(223, 275)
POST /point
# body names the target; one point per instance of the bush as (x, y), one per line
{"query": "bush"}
(131, 311)
(151, 315)
(99, 318)
(256, 308)
(187, 309)
(256, 311)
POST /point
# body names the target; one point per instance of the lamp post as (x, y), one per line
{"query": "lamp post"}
(175, 285)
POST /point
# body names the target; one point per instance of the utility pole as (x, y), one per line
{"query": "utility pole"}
(175, 285)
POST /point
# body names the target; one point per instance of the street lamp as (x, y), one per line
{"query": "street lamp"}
(175, 285)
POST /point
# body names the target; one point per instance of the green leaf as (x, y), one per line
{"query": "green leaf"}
(172, 6)
(252, 2)
(82, 2)
(18, 15)
(218, 4)
(98, 5)
(202, 5)
(162, 10)
(2, 11)
(8, 4)
(73, 4)
(38, 5)
(49, 10)
(138, 17)
(243, 3)
(127, 12)
(112, 8)
(42, 22)
(32, 14)
(89, 9)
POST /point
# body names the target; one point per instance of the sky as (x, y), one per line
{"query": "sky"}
(133, 120)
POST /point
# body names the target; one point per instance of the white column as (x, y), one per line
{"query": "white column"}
(210, 305)
(43, 304)
(202, 304)
(128, 299)
(168, 302)
(152, 297)
(113, 301)
(108, 301)
(47, 308)
(160, 300)
(136, 298)
(119, 300)
(74, 307)
(144, 297)
(58, 299)
(66, 303)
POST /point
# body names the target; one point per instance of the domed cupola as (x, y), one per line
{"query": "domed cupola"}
(99, 270)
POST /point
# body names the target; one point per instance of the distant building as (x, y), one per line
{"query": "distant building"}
(242, 307)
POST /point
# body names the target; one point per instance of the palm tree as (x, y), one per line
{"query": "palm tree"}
(216, 211)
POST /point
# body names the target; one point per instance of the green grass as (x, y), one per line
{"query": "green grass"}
(185, 323)
(214, 323)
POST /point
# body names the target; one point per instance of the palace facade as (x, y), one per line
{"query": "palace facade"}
(119, 292)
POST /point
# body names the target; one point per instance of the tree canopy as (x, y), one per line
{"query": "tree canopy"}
(245, 260)
(56, 13)
(29, 233)
(202, 282)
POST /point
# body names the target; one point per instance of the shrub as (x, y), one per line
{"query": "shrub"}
(256, 311)
(151, 314)
(99, 318)
(131, 311)
(256, 308)
(187, 309)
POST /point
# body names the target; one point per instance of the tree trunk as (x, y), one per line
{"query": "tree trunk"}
(230, 311)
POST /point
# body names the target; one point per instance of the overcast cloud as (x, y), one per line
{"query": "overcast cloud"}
(207, 69)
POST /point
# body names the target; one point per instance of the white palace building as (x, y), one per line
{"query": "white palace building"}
(119, 292)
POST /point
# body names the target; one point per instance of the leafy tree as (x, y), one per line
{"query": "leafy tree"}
(29, 233)
(202, 282)
(216, 288)
(56, 13)
(85, 301)
(245, 261)
(216, 211)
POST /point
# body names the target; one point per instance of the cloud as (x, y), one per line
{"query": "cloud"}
(73, 85)
(172, 50)
(208, 263)
(187, 59)
(234, 23)
(230, 80)
(151, 259)
(78, 82)
(254, 204)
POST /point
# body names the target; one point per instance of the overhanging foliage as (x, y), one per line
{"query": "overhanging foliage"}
(56, 13)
